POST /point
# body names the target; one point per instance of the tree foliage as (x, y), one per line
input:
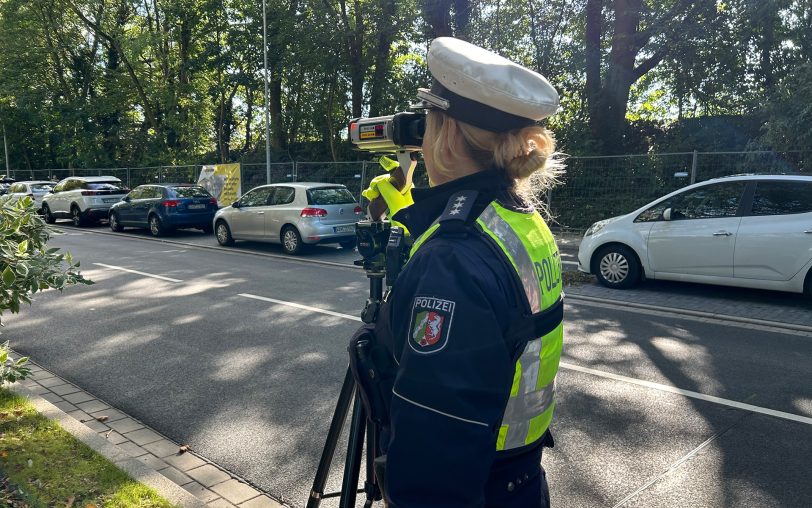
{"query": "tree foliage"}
(115, 83)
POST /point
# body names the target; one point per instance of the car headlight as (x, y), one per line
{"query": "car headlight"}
(594, 228)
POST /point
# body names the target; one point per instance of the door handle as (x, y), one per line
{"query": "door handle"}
(260, 213)
(808, 231)
(722, 233)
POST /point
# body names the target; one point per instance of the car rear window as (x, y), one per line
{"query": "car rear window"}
(330, 196)
(41, 187)
(782, 198)
(191, 192)
(104, 186)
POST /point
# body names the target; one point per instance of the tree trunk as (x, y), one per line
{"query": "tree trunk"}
(249, 118)
(438, 17)
(594, 24)
(378, 81)
(277, 129)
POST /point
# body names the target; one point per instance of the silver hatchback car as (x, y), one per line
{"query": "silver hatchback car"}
(293, 214)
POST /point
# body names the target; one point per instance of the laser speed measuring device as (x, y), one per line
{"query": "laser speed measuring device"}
(393, 133)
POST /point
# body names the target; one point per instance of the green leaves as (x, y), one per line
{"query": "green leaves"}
(12, 370)
(27, 265)
(8, 277)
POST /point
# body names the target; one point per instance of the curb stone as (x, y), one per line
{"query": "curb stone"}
(141, 452)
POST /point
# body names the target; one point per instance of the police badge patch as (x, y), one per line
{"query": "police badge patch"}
(431, 324)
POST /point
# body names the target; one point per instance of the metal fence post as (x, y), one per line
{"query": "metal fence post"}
(128, 179)
(693, 166)
(363, 179)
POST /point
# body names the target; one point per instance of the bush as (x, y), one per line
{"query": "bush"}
(27, 266)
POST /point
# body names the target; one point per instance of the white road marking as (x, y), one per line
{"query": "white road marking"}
(687, 393)
(112, 267)
(571, 263)
(608, 375)
(300, 306)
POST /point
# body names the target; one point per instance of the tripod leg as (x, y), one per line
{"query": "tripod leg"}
(355, 446)
(371, 487)
(336, 425)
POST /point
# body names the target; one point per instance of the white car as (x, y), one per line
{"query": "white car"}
(748, 231)
(82, 199)
(35, 189)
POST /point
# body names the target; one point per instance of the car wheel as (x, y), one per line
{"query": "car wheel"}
(115, 225)
(291, 240)
(808, 285)
(347, 244)
(156, 227)
(223, 233)
(49, 217)
(76, 216)
(616, 266)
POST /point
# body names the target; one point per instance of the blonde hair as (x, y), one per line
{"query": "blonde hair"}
(527, 156)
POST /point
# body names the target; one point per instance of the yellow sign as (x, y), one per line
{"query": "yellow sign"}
(222, 181)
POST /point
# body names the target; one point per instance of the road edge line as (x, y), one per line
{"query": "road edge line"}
(221, 249)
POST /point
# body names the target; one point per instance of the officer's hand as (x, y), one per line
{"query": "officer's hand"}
(396, 200)
(388, 194)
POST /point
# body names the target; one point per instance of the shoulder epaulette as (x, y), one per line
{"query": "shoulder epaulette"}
(459, 207)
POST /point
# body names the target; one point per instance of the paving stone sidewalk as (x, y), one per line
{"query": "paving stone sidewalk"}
(208, 482)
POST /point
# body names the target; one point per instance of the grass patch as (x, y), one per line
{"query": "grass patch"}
(42, 465)
(577, 278)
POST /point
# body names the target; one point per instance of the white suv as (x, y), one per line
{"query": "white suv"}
(82, 199)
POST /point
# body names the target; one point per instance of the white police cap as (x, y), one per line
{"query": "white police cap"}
(481, 88)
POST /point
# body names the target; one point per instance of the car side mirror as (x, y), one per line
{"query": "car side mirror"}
(667, 214)
(126, 198)
(235, 204)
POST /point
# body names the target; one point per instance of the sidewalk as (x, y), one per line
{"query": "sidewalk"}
(121, 438)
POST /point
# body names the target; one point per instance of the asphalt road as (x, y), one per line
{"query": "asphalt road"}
(654, 409)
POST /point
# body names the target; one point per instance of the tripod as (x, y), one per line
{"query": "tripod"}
(359, 424)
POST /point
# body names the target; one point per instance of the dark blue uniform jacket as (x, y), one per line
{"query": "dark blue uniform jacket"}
(448, 315)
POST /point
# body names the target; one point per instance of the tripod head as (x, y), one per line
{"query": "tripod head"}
(383, 250)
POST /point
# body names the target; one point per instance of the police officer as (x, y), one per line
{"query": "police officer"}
(474, 319)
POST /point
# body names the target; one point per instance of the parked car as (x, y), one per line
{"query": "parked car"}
(293, 214)
(749, 231)
(5, 183)
(162, 208)
(82, 199)
(34, 189)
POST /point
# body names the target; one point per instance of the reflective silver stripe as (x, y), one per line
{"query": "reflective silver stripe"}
(530, 360)
(523, 408)
(515, 249)
(438, 411)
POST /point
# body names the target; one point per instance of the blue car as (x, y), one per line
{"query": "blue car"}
(164, 207)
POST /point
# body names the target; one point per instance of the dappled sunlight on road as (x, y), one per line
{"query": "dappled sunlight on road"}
(124, 341)
(803, 405)
(240, 363)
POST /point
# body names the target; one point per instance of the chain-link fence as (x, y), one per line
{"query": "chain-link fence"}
(593, 188)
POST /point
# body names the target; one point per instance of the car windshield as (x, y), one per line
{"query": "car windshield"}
(191, 192)
(104, 186)
(42, 187)
(330, 196)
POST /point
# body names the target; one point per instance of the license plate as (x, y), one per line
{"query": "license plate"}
(345, 229)
(110, 200)
(196, 207)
